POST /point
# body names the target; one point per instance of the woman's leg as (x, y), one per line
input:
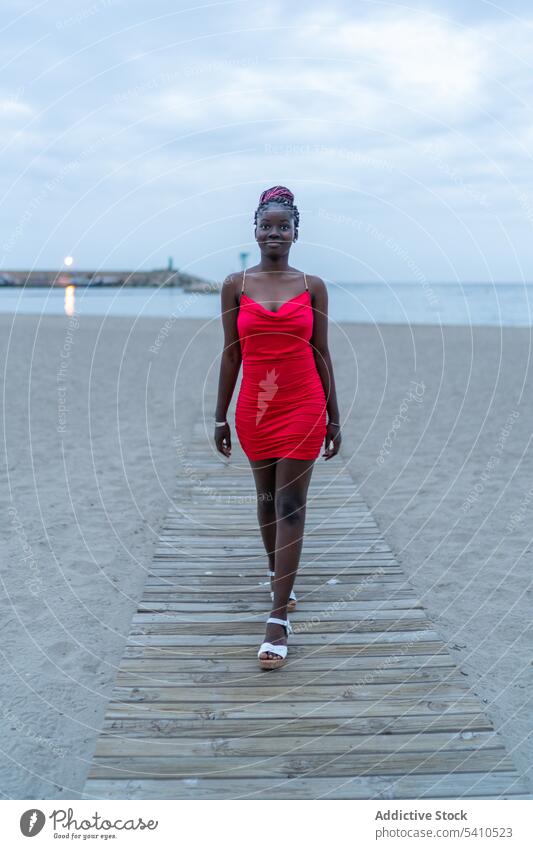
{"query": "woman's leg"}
(292, 482)
(264, 472)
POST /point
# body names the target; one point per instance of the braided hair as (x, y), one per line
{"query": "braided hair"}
(280, 195)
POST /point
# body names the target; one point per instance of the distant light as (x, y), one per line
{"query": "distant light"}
(70, 300)
(68, 260)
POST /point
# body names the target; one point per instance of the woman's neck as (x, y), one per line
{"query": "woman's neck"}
(267, 264)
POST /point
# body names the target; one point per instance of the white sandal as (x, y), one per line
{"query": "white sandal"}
(279, 650)
(291, 604)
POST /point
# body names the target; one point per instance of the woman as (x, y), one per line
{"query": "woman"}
(279, 331)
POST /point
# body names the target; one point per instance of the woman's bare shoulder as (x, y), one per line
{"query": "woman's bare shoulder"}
(231, 288)
(316, 285)
(233, 280)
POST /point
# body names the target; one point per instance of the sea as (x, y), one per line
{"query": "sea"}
(448, 303)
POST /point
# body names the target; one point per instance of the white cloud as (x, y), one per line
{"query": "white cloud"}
(13, 108)
(413, 60)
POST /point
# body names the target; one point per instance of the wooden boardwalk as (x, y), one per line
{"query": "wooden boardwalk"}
(369, 705)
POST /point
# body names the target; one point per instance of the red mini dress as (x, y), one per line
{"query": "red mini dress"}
(281, 407)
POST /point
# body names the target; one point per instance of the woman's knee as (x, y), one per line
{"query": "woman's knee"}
(290, 507)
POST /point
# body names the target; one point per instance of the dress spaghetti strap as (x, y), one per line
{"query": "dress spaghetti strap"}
(305, 281)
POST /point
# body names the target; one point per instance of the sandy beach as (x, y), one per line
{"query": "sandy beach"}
(436, 432)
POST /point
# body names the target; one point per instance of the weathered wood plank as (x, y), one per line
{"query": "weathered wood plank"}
(212, 608)
(222, 643)
(334, 652)
(302, 725)
(371, 691)
(316, 662)
(224, 584)
(282, 765)
(339, 744)
(313, 570)
(232, 619)
(298, 679)
(236, 627)
(269, 710)
(329, 592)
(468, 785)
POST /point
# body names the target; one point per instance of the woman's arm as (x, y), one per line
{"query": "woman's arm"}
(319, 342)
(230, 361)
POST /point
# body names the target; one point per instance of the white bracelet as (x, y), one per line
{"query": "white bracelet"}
(219, 424)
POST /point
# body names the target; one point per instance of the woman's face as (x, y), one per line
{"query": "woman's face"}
(274, 231)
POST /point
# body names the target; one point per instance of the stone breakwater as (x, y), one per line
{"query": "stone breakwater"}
(61, 278)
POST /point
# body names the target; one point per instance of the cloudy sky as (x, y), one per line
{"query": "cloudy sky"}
(135, 131)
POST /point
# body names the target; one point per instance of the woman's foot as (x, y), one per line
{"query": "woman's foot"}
(277, 635)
